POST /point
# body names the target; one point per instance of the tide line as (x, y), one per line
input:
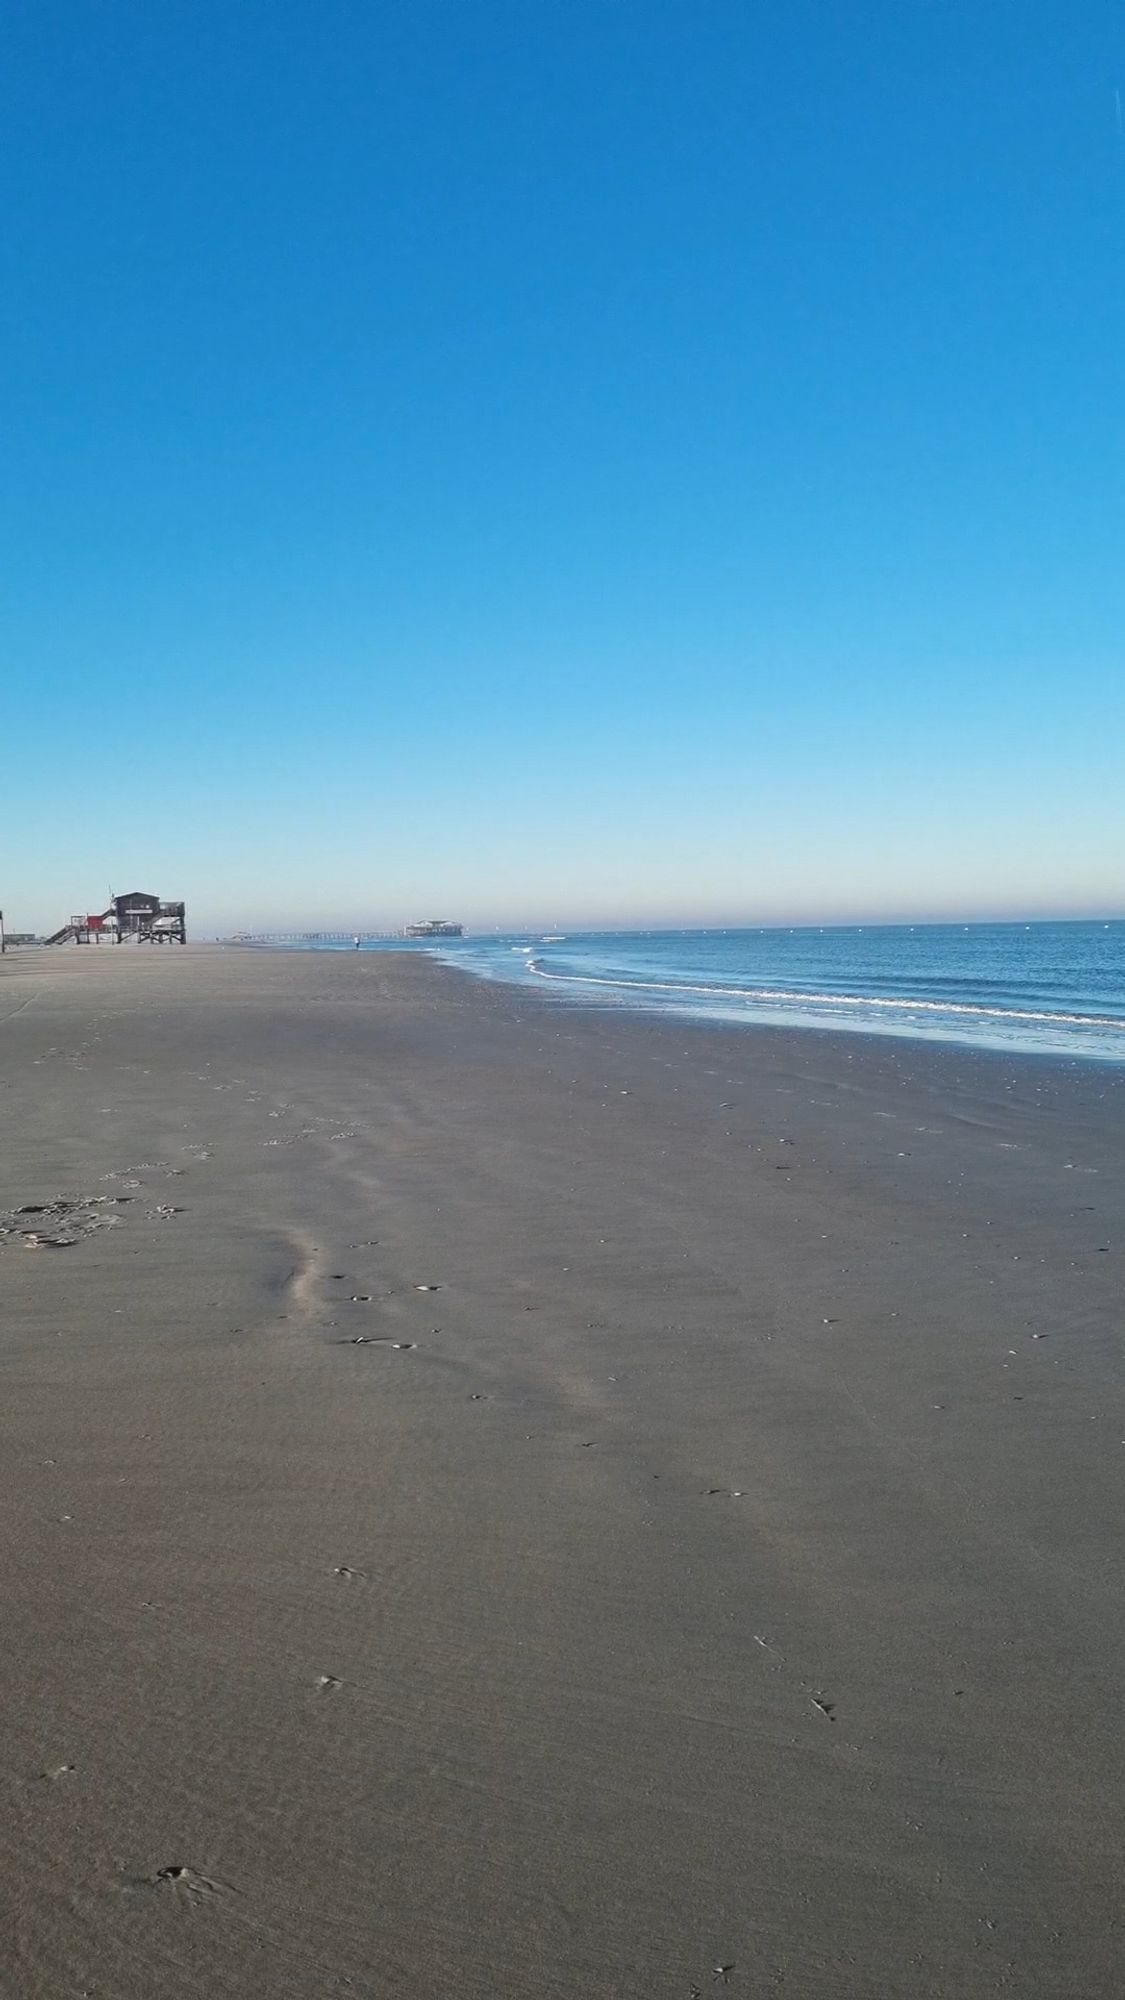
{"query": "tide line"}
(829, 1000)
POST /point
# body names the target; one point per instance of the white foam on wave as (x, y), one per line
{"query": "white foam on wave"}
(960, 1008)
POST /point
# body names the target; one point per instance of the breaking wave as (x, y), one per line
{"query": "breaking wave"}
(790, 997)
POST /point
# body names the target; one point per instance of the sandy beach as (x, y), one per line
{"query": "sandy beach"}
(501, 1500)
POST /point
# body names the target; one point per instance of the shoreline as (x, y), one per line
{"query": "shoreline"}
(838, 1037)
(567, 990)
(518, 1499)
(841, 1041)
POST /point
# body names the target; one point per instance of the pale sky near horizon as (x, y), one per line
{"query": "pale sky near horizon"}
(588, 464)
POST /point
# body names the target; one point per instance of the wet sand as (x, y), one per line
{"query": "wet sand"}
(714, 1583)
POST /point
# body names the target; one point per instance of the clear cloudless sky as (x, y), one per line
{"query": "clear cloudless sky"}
(612, 461)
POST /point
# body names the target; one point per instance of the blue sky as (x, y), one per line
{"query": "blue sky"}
(596, 462)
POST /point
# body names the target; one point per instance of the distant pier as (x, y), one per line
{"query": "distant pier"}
(433, 927)
(312, 937)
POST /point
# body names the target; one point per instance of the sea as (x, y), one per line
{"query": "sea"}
(1050, 988)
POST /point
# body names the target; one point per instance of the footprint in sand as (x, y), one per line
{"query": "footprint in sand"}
(59, 1224)
(186, 1884)
(376, 1340)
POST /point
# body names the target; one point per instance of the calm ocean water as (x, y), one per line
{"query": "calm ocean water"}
(1054, 988)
